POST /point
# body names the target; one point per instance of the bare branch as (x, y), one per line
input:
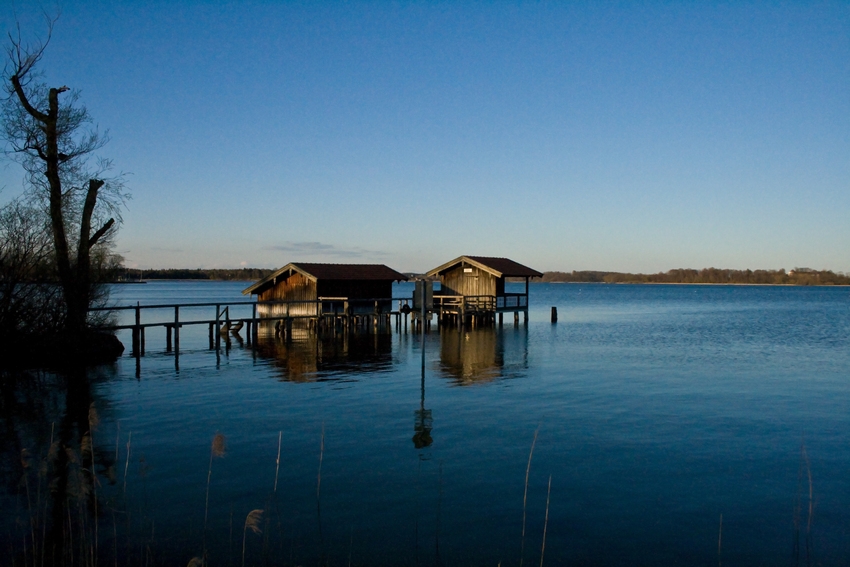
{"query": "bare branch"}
(97, 235)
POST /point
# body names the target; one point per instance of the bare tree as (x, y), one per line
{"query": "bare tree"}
(30, 301)
(50, 133)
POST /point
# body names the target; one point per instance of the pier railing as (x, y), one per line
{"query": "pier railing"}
(333, 310)
(469, 303)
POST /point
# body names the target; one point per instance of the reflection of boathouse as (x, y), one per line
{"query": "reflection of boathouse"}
(328, 357)
(475, 356)
(472, 289)
(308, 290)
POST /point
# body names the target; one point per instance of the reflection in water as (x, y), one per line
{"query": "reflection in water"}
(312, 358)
(481, 355)
(50, 445)
(423, 421)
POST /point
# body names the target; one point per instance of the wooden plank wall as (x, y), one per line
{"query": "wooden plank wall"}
(477, 282)
(293, 288)
(300, 288)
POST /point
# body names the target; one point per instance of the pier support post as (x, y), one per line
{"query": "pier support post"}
(168, 338)
(137, 332)
(554, 314)
(176, 328)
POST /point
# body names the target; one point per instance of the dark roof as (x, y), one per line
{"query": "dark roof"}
(500, 267)
(314, 271)
(350, 271)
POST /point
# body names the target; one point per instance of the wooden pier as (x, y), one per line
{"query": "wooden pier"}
(472, 291)
(324, 315)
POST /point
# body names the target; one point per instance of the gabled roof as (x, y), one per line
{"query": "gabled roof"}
(315, 272)
(499, 267)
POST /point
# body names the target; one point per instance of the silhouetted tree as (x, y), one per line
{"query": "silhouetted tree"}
(51, 135)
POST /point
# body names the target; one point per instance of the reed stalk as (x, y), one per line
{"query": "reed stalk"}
(217, 449)
(51, 453)
(525, 495)
(720, 543)
(318, 496)
(127, 463)
(811, 507)
(277, 461)
(321, 456)
(252, 522)
(545, 521)
(94, 420)
(25, 465)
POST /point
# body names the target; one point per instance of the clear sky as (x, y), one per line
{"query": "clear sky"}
(626, 136)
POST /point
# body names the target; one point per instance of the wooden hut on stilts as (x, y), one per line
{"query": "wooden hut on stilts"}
(472, 291)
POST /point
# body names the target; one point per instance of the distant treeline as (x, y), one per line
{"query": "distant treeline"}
(797, 276)
(241, 274)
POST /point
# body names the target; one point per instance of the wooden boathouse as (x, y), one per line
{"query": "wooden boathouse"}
(472, 290)
(346, 293)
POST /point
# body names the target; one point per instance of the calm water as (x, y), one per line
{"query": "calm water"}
(659, 408)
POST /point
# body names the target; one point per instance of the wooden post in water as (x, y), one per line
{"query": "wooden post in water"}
(217, 328)
(176, 328)
(167, 337)
(554, 314)
(136, 331)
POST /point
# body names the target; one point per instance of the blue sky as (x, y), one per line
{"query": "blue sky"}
(630, 136)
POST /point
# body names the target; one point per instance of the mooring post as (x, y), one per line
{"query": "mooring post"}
(176, 328)
(136, 331)
(217, 327)
(554, 314)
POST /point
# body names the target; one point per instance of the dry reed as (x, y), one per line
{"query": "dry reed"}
(525, 495)
(811, 507)
(545, 521)
(127, 463)
(277, 461)
(217, 450)
(252, 522)
(321, 457)
(720, 543)
(94, 420)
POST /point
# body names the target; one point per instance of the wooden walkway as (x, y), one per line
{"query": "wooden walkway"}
(325, 315)
(322, 315)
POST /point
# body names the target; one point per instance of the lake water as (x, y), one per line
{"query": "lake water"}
(657, 410)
